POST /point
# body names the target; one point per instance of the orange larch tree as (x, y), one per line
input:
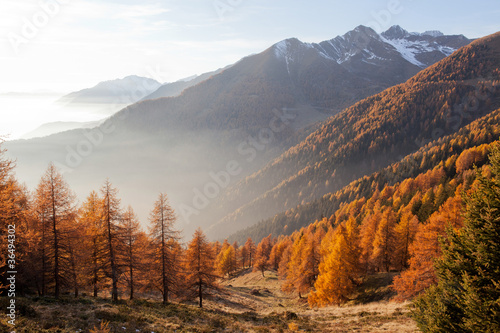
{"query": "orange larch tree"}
(308, 270)
(426, 249)
(111, 214)
(164, 236)
(277, 252)
(200, 269)
(290, 271)
(131, 255)
(56, 200)
(91, 219)
(405, 232)
(250, 251)
(237, 256)
(369, 228)
(225, 261)
(384, 242)
(262, 254)
(340, 267)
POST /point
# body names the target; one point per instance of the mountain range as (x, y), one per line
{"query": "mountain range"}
(229, 142)
(128, 90)
(368, 136)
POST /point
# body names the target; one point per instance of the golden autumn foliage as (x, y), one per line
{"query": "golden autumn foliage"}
(426, 248)
(340, 266)
(200, 266)
(262, 254)
(164, 240)
(226, 260)
(384, 241)
(94, 240)
(133, 249)
(398, 229)
(55, 204)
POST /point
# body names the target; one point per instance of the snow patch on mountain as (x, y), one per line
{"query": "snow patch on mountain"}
(408, 50)
(281, 50)
(446, 50)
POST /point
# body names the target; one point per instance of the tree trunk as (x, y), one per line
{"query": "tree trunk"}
(163, 267)
(95, 278)
(200, 294)
(56, 246)
(44, 264)
(131, 283)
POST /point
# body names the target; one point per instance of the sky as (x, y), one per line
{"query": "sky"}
(52, 47)
(67, 45)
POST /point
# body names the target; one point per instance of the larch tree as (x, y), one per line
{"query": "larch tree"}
(384, 241)
(312, 257)
(340, 267)
(216, 248)
(237, 255)
(405, 232)
(284, 261)
(243, 257)
(41, 224)
(225, 261)
(96, 249)
(262, 254)
(467, 295)
(369, 228)
(57, 202)
(304, 267)
(277, 252)
(201, 275)
(144, 279)
(130, 229)
(163, 235)
(28, 244)
(292, 274)
(250, 251)
(111, 214)
(76, 251)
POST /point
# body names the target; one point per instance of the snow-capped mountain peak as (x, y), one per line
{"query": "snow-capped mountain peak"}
(286, 48)
(366, 45)
(395, 32)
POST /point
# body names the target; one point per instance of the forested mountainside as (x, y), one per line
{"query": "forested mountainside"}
(401, 228)
(372, 134)
(444, 151)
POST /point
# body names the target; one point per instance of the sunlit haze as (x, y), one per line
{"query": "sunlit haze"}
(85, 42)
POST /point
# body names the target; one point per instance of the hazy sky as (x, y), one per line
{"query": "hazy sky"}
(66, 45)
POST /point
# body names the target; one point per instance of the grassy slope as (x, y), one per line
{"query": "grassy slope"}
(246, 303)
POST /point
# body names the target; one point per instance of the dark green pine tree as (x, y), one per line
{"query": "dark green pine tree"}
(467, 296)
